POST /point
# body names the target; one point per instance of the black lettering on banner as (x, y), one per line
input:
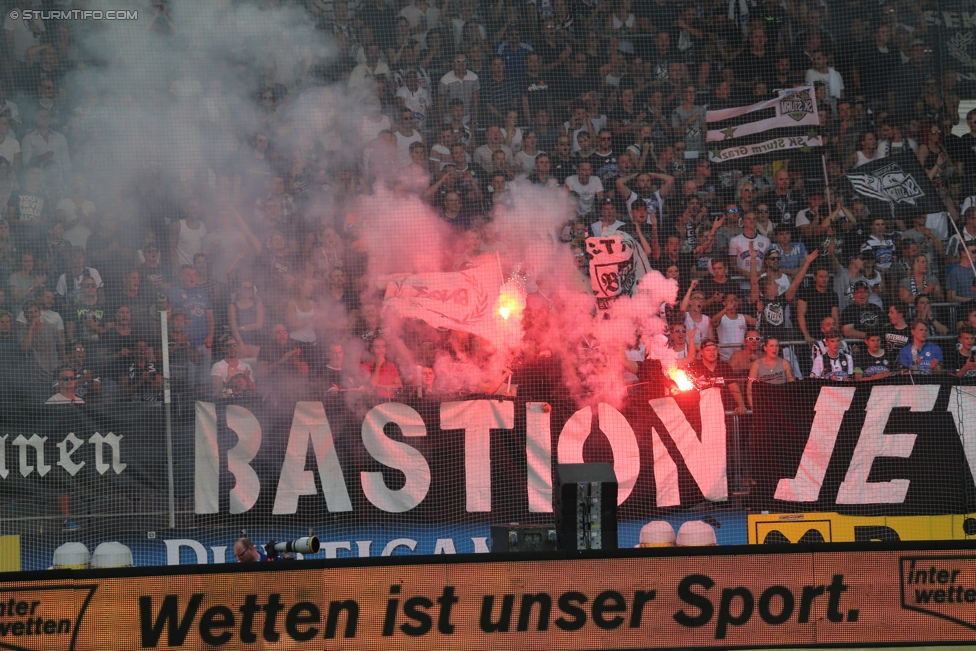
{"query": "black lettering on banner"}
(609, 244)
(725, 617)
(609, 601)
(216, 617)
(271, 610)
(504, 617)
(525, 612)
(391, 610)
(806, 602)
(412, 609)
(641, 597)
(152, 627)
(765, 600)
(300, 614)
(568, 604)
(336, 608)
(446, 602)
(701, 602)
(248, 610)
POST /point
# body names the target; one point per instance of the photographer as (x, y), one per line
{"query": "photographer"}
(246, 552)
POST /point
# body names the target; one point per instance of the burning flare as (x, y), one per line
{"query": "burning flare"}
(681, 380)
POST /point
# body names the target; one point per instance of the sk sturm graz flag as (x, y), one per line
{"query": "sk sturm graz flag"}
(897, 186)
(789, 121)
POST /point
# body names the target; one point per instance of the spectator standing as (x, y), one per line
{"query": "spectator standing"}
(586, 187)
(688, 120)
(200, 328)
(460, 83)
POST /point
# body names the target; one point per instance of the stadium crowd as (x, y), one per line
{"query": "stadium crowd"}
(258, 256)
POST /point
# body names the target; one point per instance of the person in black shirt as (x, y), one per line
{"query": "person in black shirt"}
(563, 166)
(816, 303)
(716, 287)
(710, 367)
(898, 334)
(861, 316)
(873, 362)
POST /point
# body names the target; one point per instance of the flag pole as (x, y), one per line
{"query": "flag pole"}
(823, 162)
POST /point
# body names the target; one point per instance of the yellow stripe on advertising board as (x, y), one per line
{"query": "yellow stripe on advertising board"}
(779, 528)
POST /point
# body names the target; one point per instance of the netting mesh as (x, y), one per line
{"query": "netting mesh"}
(369, 269)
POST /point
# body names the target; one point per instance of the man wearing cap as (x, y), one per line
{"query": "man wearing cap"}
(861, 316)
(907, 80)
(711, 367)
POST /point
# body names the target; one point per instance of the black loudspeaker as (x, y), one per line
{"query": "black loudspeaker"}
(523, 538)
(586, 506)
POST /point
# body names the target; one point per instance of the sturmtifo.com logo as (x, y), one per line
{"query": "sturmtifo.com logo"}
(74, 14)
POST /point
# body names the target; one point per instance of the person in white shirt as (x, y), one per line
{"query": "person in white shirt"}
(730, 326)
(826, 75)
(608, 219)
(586, 187)
(422, 17)
(867, 151)
(43, 144)
(9, 147)
(739, 245)
(364, 73)
(460, 83)
(411, 95)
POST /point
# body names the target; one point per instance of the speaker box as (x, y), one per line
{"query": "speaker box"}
(586, 506)
(523, 538)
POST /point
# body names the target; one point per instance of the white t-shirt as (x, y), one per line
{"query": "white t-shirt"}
(78, 233)
(417, 102)
(730, 332)
(701, 329)
(9, 148)
(221, 368)
(739, 249)
(586, 193)
(831, 79)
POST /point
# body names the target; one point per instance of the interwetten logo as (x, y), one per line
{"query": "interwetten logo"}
(42, 617)
(943, 586)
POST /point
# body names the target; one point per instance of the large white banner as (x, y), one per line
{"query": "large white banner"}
(459, 300)
(769, 146)
(794, 107)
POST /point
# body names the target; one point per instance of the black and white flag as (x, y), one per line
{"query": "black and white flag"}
(788, 121)
(898, 187)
